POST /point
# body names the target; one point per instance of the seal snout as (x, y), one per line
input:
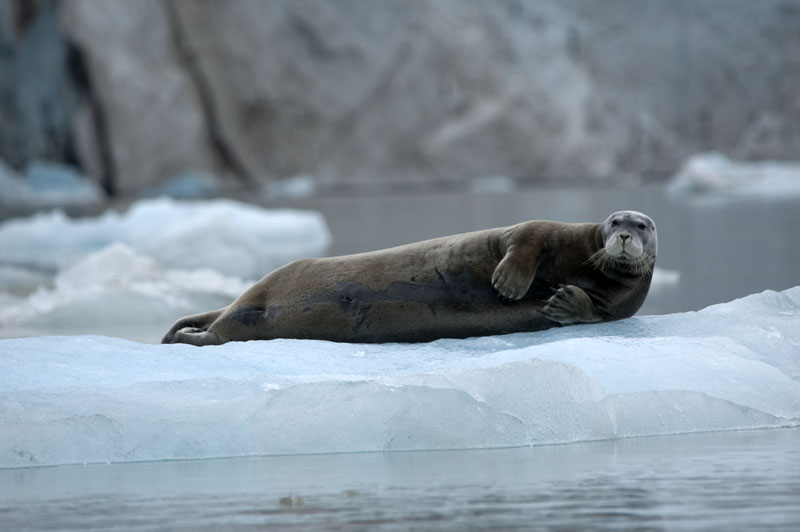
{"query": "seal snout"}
(630, 246)
(623, 246)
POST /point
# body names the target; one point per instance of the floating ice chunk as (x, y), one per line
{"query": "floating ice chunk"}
(59, 184)
(22, 281)
(115, 289)
(224, 235)
(13, 191)
(663, 278)
(299, 186)
(51, 240)
(115, 265)
(188, 185)
(715, 174)
(95, 399)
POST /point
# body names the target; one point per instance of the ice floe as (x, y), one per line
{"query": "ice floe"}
(714, 174)
(230, 237)
(111, 291)
(47, 184)
(95, 399)
(131, 274)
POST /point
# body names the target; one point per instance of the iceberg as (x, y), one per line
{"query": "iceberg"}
(131, 274)
(714, 174)
(230, 237)
(13, 191)
(86, 399)
(111, 291)
(191, 184)
(47, 184)
(61, 184)
(298, 186)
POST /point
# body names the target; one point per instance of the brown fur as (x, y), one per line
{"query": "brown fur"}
(442, 288)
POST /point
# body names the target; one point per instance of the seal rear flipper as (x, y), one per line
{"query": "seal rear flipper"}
(198, 337)
(197, 322)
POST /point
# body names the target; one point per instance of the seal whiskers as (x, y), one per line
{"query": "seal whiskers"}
(605, 262)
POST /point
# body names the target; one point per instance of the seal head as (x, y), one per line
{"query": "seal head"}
(631, 244)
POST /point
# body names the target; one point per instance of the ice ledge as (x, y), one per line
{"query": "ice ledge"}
(89, 398)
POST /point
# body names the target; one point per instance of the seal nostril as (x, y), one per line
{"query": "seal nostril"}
(625, 237)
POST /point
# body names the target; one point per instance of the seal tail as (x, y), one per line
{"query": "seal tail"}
(196, 325)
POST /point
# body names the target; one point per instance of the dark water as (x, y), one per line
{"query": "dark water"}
(714, 481)
(722, 249)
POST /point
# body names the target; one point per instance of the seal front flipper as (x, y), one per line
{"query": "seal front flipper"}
(510, 279)
(514, 274)
(570, 305)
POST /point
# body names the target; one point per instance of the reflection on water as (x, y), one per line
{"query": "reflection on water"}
(723, 481)
(723, 249)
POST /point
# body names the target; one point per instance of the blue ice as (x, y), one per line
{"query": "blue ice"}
(82, 399)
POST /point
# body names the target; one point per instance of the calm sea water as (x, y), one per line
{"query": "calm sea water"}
(713, 481)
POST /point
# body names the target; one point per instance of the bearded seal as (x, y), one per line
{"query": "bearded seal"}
(527, 277)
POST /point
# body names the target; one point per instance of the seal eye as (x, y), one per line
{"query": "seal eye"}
(642, 227)
(614, 223)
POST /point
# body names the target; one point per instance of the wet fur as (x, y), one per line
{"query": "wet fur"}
(488, 282)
